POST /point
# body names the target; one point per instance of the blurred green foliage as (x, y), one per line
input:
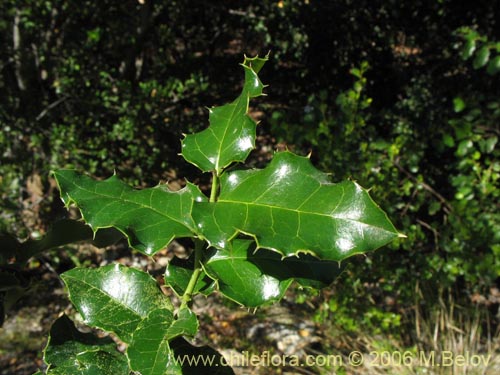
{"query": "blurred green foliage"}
(402, 97)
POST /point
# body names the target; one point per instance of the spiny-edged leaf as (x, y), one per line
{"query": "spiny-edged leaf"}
(150, 218)
(255, 277)
(186, 324)
(149, 351)
(305, 269)
(179, 272)
(291, 207)
(194, 360)
(70, 351)
(240, 278)
(114, 297)
(61, 233)
(231, 134)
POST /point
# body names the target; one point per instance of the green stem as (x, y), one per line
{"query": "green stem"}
(215, 187)
(198, 252)
(188, 293)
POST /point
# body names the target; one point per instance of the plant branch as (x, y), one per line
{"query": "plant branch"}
(215, 187)
(188, 293)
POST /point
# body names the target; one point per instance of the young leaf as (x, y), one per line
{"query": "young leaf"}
(70, 351)
(231, 134)
(150, 218)
(291, 207)
(114, 297)
(255, 277)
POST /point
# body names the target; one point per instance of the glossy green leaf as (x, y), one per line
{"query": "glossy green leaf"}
(186, 324)
(240, 278)
(292, 207)
(149, 352)
(179, 271)
(70, 351)
(114, 297)
(231, 134)
(150, 218)
(482, 57)
(255, 277)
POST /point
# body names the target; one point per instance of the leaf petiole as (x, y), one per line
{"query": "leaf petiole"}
(198, 254)
(198, 250)
(215, 187)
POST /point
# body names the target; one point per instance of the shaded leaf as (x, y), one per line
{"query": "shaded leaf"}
(255, 277)
(240, 278)
(231, 134)
(114, 297)
(150, 218)
(70, 351)
(291, 207)
(494, 65)
(186, 324)
(179, 272)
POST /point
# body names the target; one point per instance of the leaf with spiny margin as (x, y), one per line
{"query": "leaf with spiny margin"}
(114, 298)
(231, 134)
(149, 351)
(256, 277)
(150, 218)
(186, 324)
(291, 207)
(178, 273)
(70, 351)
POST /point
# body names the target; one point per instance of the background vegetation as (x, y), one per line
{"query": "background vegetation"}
(400, 96)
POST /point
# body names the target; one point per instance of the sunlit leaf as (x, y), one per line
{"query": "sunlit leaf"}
(231, 134)
(114, 297)
(292, 207)
(150, 218)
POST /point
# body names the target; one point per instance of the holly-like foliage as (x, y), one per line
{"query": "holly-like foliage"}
(256, 233)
